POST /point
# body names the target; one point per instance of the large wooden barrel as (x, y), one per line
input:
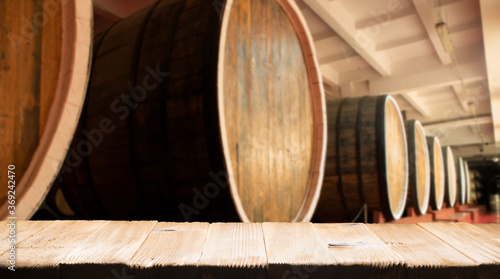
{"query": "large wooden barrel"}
(201, 110)
(44, 68)
(366, 159)
(450, 181)
(418, 167)
(468, 183)
(437, 173)
(461, 180)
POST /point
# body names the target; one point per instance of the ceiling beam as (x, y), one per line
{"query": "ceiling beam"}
(416, 103)
(424, 37)
(490, 11)
(425, 12)
(424, 73)
(371, 21)
(475, 150)
(458, 136)
(460, 93)
(482, 119)
(334, 14)
(323, 36)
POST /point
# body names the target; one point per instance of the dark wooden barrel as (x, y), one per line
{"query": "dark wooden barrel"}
(366, 159)
(44, 65)
(467, 181)
(418, 167)
(437, 173)
(201, 110)
(450, 180)
(461, 180)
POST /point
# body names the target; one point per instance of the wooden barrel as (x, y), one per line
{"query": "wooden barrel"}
(467, 183)
(461, 180)
(44, 68)
(418, 167)
(450, 180)
(366, 159)
(437, 173)
(201, 110)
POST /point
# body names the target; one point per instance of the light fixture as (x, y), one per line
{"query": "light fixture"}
(442, 30)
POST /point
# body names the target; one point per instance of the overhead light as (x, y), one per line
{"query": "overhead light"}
(442, 30)
(494, 159)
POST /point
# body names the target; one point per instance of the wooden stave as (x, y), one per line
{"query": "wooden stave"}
(223, 209)
(461, 181)
(450, 193)
(434, 145)
(336, 199)
(419, 207)
(69, 46)
(468, 186)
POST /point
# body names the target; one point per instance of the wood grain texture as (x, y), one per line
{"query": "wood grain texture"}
(115, 249)
(20, 78)
(360, 167)
(437, 173)
(110, 247)
(23, 231)
(40, 254)
(234, 250)
(171, 250)
(474, 242)
(450, 182)
(396, 158)
(424, 255)
(268, 111)
(419, 168)
(355, 248)
(286, 255)
(492, 229)
(44, 59)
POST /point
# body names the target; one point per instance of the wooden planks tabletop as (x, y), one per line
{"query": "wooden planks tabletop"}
(150, 249)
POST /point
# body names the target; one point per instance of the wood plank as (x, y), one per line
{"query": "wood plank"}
(19, 73)
(108, 250)
(424, 254)
(171, 250)
(493, 229)
(297, 249)
(359, 252)
(24, 229)
(234, 250)
(40, 253)
(471, 241)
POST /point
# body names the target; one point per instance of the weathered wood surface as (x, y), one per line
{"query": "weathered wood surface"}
(418, 168)
(437, 173)
(450, 189)
(149, 249)
(44, 59)
(268, 111)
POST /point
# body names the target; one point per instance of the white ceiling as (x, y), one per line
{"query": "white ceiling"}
(392, 47)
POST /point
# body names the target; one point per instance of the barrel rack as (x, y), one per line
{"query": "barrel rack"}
(458, 213)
